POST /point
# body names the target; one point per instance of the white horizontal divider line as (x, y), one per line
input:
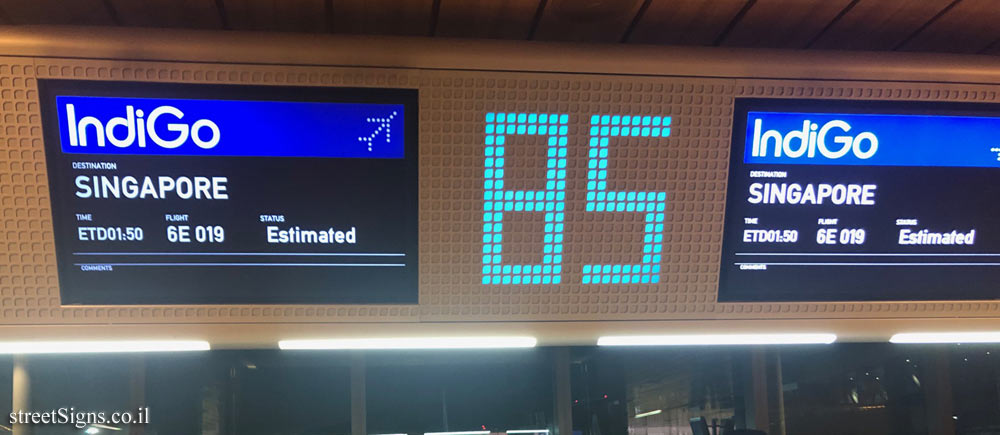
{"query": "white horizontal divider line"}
(249, 264)
(304, 254)
(865, 264)
(861, 254)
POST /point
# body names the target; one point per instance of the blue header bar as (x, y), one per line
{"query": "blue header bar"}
(185, 127)
(871, 140)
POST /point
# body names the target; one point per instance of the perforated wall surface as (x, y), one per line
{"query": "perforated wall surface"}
(613, 224)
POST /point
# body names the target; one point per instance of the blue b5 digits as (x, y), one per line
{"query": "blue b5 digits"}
(551, 200)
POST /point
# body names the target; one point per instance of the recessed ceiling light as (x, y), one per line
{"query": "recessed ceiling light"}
(716, 339)
(946, 337)
(491, 342)
(108, 346)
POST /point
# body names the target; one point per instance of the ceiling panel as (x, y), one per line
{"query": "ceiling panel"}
(504, 19)
(784, 23)
(969, 27)
(586, 20)
(383, 17)
(962, 26)
(79, 12)
(685, 22)
(196, 14)
(879, 24)
(277, 15)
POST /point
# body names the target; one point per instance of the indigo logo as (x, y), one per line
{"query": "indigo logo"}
(812, 138)
(135, 127)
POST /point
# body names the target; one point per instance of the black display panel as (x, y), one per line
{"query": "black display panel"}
(225, 194)
(862, 201)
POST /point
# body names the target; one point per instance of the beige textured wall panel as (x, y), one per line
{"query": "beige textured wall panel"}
(690, 166)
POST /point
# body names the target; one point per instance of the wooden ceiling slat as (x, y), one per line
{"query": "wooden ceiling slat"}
(969, 27)
(277, 15)
(192, 14)
(383, 17)
(879, 24)
(501, 19)
(586, 20)
(784, 23)
(964, 26)
(76, 12)
(685, 22)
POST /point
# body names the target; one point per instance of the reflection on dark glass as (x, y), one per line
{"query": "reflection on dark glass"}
(652, 391)
(975, 384)
(83, 383)
(464, 390)
(857, 389)
(207, 393)
(875, 389)
(6, 385)
(290, 393)
(175, 391)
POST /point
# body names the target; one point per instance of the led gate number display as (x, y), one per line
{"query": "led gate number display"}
(551, 200)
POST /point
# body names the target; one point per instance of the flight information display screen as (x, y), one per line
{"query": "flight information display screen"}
(221, 194)
(862, 201)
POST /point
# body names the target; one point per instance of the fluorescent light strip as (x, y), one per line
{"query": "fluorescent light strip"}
(946, 337)
(110, 346)
(715, 339)
(470, 432)
(647, 414)
(411, 343)
(529, 431)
